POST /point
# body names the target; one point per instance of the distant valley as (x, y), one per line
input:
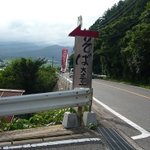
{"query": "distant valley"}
(9, 50)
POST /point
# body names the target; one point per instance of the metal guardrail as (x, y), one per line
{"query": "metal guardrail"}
(65, 81)
(99, 76)
(40, 102)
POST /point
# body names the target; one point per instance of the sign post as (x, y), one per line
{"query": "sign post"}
(83, 59)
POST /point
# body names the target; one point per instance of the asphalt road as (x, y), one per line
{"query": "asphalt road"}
(130, 103)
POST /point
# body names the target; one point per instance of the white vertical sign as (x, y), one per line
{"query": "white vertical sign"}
(83, 58)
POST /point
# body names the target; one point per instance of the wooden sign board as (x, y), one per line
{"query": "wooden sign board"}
(83, 58)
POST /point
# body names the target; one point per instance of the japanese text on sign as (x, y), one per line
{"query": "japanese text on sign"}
(83, 62)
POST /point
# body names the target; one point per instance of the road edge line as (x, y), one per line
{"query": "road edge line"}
(144, 133)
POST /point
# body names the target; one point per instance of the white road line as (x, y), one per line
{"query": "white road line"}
(61, 142)
(144, 133)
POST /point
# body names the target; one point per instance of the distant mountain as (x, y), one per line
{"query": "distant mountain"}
(9, 47)
(54, 51)
(33, 50)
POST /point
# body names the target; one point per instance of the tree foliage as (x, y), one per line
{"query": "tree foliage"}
(71, 61)
(122, 49)
(136, 52)
(29, 75)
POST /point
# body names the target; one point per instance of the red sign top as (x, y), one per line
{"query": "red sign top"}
(86, 33)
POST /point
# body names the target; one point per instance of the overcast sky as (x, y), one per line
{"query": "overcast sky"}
(47, 21)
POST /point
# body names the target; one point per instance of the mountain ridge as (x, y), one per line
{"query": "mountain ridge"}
(33, 50)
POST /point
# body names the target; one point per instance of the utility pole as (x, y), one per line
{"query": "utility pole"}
(52, 61)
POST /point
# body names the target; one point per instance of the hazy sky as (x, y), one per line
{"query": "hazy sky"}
(47, 20)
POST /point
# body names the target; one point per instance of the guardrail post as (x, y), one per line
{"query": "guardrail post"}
(91, 99)
(80, 114)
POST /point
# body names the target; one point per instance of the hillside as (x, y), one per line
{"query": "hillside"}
(122, 49)
(20, 49)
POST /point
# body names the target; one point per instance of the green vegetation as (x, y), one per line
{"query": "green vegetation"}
(92, 126)
(122, 50)
(30, 75)
(51, 117)
(33, 76)
(71, 61)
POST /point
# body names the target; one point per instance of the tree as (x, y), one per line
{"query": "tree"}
(25, 74)
(46, 79)
(145, 16)
(136, 52)
(122, 50)
(71, 61)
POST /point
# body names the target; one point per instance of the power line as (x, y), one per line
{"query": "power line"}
(116, 15)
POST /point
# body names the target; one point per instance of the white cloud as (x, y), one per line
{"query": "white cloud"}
(47, 20)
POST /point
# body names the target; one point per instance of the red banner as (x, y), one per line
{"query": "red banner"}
(64, 60)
